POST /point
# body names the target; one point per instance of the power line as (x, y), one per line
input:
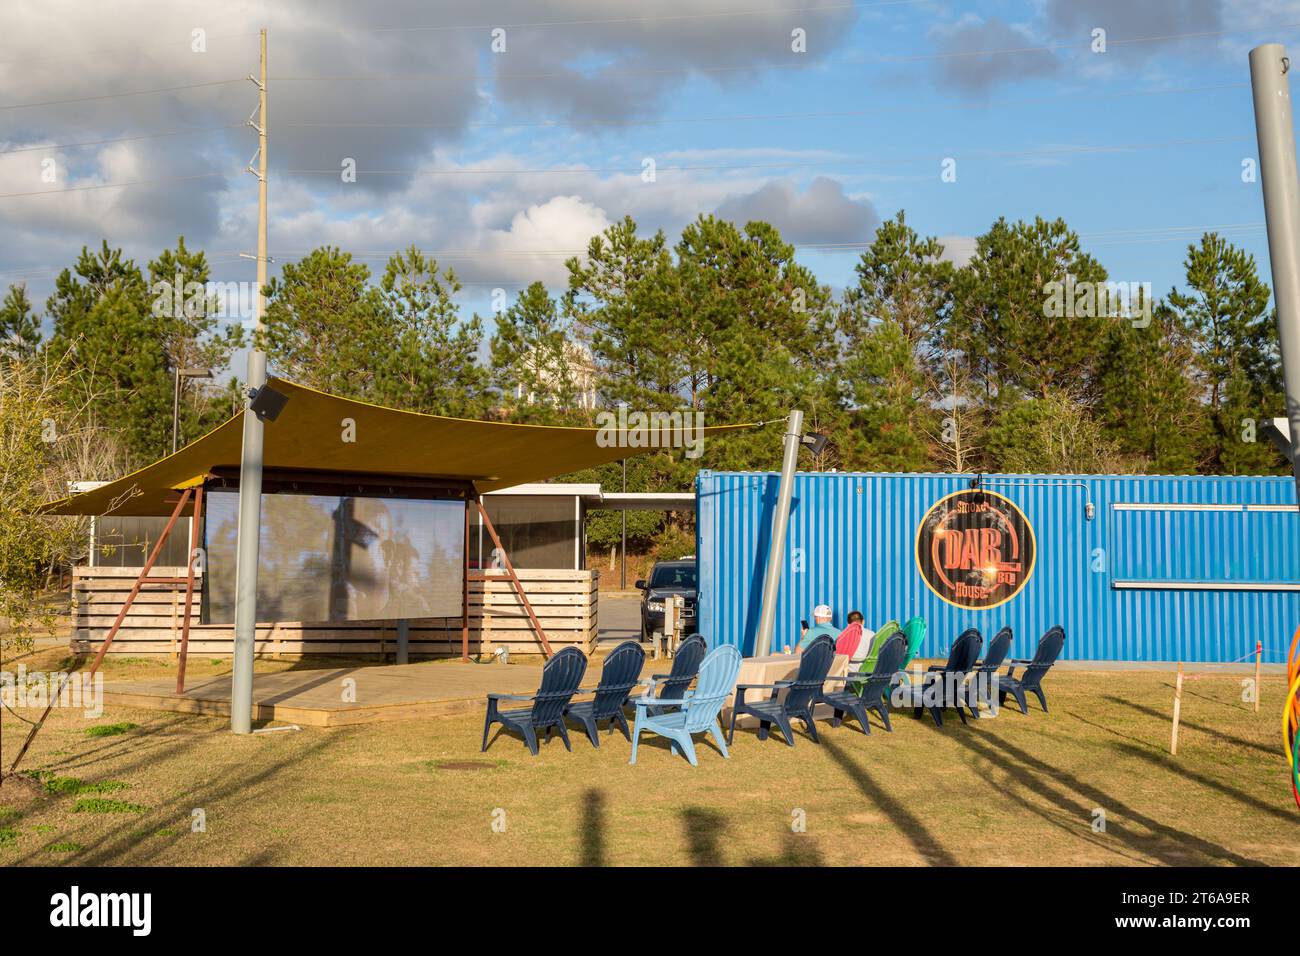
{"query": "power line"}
(455, 254)
(760, 117)
(137, 182)
(43, 272)
(113, 96)
(1147, 230)
(1066, 44)
(699, 167)
(762, 65)
(123, 139)
(691, 167)
(124, 50)
(772, 11)
(443, 28)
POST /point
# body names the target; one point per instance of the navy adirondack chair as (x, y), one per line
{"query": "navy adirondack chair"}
(696, 711)
(561, 678)
(621, 673)
(1049, 649)
(801, 694)
(986, 670)
(944, 685)
(686, 664)
(874, 689)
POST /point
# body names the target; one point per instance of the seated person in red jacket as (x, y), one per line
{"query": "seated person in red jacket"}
(851, 637)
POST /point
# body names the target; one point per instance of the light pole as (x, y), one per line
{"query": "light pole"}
(176, 397)
(1275, 132)
(793, 439)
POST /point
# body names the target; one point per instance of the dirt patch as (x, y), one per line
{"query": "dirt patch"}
(19, 791)
(464, 765)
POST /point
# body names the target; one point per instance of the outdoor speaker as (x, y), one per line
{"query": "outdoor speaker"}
(816, 442)
(266, 403)
(1278, 431)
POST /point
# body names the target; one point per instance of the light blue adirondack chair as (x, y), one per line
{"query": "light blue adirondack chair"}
(698, 709)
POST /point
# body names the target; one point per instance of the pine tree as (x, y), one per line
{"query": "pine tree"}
(621, 299)
(322, 322)
(194, 337)
(892, 359)
(1005, 320)
(1147, 397)
(426, 358)
(1225, 310)
(104, 322)
(20, 329)
(534, 360)
(759, 330)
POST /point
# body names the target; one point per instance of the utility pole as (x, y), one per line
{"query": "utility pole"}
(250, 461)
(780, 525)
(1269, 66)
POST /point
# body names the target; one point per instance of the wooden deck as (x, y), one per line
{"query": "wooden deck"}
(316, 697)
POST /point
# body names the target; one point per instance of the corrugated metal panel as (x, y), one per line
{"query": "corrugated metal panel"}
(1128, 585)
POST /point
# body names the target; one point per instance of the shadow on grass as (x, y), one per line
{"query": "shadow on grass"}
(910, 825)
(1183, 721)
(126, 839)
(591, 835)
(1110, 730)
(1171, 764)
(1170, 845)
(704, 829)
(795, 851)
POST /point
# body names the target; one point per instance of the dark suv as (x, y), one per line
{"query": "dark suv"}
(666, 579)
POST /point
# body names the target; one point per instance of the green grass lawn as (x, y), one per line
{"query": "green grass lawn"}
(1012, 790)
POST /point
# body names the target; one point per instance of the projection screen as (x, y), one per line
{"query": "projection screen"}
(328, 558)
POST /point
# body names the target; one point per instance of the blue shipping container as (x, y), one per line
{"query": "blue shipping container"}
(1136, 568)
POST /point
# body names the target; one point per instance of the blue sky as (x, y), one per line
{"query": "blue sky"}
(501, 163)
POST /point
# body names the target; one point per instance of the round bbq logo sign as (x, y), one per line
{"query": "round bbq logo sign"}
(975, 549)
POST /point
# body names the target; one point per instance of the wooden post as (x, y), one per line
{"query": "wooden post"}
(143, 579)
(1178, 705)
(514, 578)
(1259, 657)
(403, 641)
(189, 588)
(464, 595)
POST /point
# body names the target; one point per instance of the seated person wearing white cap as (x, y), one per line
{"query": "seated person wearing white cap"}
(821, 625)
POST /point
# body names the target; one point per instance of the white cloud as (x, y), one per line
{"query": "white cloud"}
(822, 213)
(957, 249)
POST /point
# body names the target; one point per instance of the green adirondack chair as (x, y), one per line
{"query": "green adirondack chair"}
(869, 662)
(914, 631)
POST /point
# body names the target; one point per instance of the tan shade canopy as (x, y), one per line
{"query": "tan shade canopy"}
(309, 435)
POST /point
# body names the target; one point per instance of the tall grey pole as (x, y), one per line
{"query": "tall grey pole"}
(780, 524)
(622, 583)
(250, 467)
(1269, 66)
(176, 406)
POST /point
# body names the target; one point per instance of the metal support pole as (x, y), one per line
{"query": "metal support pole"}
(176, 406)
(464, 588)
(196, 519)
(250, 467)
(780, 525)
(1277, 172)
(622, 583)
